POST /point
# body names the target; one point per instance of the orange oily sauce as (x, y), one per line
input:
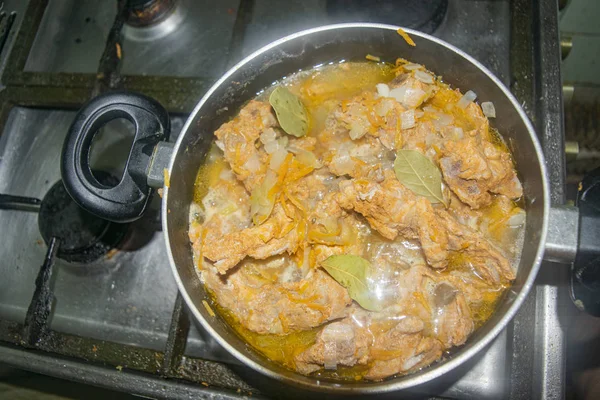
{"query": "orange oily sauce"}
(280, 349)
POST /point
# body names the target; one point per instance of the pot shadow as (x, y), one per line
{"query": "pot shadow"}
(137, 236)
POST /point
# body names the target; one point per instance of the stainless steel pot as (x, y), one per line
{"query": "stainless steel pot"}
(302, 51)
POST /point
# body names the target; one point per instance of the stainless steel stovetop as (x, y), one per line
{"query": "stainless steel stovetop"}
(129, 296)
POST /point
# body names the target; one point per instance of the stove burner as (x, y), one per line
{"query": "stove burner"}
(144, 13)
(83, 236)
(424, 15)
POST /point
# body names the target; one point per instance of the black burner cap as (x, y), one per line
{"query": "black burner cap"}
(143, 13)
(84, 237)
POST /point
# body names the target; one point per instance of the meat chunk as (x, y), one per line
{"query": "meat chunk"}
(342, 343)
(225, 209)
(276, 236)
(452, 321)
(279, 308)
(402, 349)
(474, 168)
(238, 140)
(362, 158)
(393, 210)
(475, 251)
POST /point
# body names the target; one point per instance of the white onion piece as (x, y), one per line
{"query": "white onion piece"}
(252, 164)
(383, 89)
(220, 145)
(269, 135)
(517, 219)
(411, 66)
(488, 109)
(226, 174)
(419, 113)
(458, 133)
(431, 139)
(271, 147)
(467, 99)
(305, 157)
(261, 204)
(398, 93)
(277, 158)
(368, 195)
(423, 77)
(443, 120)
(383, 107)
(342, 163)
(357, 130)
(413, 97)
(408, 119)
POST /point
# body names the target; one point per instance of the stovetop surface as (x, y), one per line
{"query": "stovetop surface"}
(128, 297)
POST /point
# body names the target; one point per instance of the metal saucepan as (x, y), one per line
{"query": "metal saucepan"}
(150, 154)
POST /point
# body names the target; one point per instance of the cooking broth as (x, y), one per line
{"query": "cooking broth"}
(271, 211)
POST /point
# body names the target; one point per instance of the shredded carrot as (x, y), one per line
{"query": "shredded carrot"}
(294, 201)
(317, 307)
(405, 36)
(208, 309)
(285, 326)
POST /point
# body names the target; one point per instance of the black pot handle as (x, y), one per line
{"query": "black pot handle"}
(126, 201)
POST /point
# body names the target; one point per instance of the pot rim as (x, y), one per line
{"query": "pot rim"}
(407, 381)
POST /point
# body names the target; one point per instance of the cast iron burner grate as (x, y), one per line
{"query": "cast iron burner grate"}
(424, 15)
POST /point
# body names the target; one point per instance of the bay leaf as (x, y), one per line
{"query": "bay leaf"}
(290, 111)
(352, 272)
(419, 174)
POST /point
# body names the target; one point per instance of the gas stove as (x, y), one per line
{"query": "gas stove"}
(95, 302)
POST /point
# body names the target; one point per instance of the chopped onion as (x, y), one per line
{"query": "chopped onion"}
(368, 195)
(413, 97)
(423, 77)
(226, 174)
(408, 119)
(277, 158)
(384, 106)
(357, 130)
(430, 139)
(305, 157)
(271, 147)
(431, 109)
(342, 163)
(220, 145)
(411, 66)
(252, 164)
(383, 89)
(419, 113)
(467, 99)
(268, 136)
(443, 120)
(398, 93)
(488, 109)
(517, 219)
(261, 204)
(458, 133)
